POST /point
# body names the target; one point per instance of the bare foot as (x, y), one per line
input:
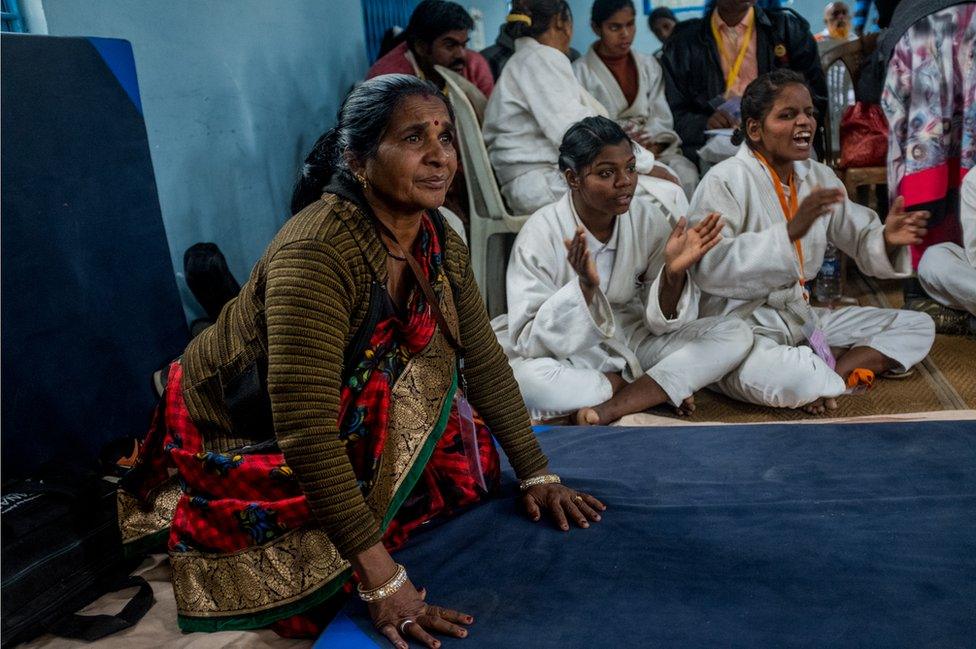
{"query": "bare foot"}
(820, 406)
(686, 408)
(586, 417)
(815, 407)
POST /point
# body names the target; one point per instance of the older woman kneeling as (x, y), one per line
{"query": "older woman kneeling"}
(347, 395)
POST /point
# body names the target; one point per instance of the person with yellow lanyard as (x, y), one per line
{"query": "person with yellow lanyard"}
(736, 45)
(781, 210)
(708, 63)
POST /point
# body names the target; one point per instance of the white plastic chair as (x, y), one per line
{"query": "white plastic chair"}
(487, 213)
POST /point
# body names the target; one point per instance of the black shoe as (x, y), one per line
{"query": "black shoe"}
(947, 321)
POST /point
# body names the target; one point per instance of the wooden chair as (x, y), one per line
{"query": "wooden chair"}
(857, 180)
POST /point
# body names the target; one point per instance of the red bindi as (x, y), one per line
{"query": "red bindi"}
(436, 123)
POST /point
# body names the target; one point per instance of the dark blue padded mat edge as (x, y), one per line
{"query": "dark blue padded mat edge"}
(736, 536)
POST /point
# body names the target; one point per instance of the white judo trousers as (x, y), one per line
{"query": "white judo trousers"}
(649, 113)
(560, 347)
(753, 273)
(947, 271)
(782, 371)
(948, 275)
(535, 101)
(681, 362)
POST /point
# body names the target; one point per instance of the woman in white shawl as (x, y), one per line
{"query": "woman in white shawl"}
(781, 209)
(602, 315)
(630, 85)
(535, 101)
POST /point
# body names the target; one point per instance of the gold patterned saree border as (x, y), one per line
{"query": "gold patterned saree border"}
(253, 580)
(138, 521)
(416, 404)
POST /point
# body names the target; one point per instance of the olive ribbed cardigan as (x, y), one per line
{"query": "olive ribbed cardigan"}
(305, 299)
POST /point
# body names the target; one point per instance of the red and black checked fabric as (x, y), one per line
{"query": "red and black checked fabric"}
(365, 398)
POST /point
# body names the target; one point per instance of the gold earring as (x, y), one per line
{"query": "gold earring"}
(361, 179)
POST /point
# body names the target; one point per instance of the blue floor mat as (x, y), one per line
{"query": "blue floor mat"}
(725, 536)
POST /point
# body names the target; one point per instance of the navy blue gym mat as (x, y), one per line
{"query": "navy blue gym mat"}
(855, 535)
(90, 306)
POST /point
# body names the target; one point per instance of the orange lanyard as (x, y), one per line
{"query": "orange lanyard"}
(789, 208)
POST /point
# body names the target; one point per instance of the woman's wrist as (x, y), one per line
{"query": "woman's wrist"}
(374, 565)
(542, 479)
(672, 277)
(588, 290)
(543, 471)
(386, 589)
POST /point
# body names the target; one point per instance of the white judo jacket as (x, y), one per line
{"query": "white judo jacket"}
(649, 113)
(547, 314)
(535, 101)
(754, 269)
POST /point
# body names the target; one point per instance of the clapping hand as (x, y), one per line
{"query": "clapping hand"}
(686, 246)
(582, 262)
(903, 228)
(818, 203)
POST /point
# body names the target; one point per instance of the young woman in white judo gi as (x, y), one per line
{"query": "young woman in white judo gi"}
(947, 271)
(780, 210)
(630, 85)
(602, 315)
(535, 101)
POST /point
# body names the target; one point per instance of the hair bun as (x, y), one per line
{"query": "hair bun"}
(738, 137)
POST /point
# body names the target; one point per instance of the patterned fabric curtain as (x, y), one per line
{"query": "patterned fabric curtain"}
(379, 16)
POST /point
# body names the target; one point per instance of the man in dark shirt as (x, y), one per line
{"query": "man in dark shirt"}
(701, 75)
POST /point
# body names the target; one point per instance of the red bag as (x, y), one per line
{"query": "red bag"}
(863, 136)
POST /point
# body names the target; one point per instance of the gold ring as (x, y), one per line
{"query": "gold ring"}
(578, 499)
(403, 626)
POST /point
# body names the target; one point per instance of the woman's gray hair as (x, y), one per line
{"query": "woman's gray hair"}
(360, 125)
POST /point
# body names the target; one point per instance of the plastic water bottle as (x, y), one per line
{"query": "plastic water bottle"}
(826, 288)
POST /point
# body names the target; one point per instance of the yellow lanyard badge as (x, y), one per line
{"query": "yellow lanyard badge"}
(743, 48)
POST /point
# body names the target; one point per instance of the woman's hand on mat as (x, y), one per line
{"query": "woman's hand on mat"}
(582, 262)
(562, 504)
(405, 616)
(686, 246)
(903, 228)
(818, 202)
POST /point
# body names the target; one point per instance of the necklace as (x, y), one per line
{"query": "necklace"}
(389, 253)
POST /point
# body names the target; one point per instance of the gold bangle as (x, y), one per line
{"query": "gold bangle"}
(394, 584)
(549, 478)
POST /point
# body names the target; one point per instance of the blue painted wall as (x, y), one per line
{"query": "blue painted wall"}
(235, 92)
